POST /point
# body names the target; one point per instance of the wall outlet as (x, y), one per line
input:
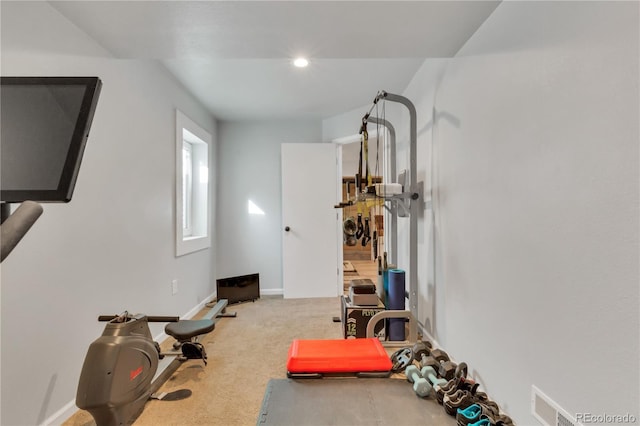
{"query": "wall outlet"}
(174, 286)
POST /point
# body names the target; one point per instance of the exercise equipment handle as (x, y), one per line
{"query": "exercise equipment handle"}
(153, 318)
(156, 318)
(103, 318)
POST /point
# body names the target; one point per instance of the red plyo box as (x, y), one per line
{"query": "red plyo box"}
(312, 358)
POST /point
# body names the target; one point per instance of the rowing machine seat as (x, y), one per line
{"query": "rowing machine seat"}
(185, 330)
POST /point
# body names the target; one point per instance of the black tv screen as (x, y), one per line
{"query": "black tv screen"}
(44, 125)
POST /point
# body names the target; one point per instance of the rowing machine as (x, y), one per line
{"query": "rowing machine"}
(119, 372)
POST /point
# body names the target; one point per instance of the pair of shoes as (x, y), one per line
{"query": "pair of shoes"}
(450, 386)
(464, 397)
(460, 399)
(482, 422)
(489, 407)
(473, 413)
(453, 385)
(493, 420)
(503, 420)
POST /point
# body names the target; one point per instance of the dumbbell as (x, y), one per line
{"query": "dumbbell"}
(421, 385)
(430, 374)
(421, 351)
(435, 358)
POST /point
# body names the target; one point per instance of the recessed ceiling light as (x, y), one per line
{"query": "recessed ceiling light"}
(300, 62)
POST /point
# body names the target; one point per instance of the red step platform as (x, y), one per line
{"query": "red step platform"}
(341, 357)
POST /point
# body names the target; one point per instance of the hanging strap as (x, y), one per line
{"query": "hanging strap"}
(366, 237)
(375, 244)
(359, 175)
(360, 229)
(365, 143)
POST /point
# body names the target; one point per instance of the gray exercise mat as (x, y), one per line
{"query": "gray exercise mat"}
(348, 401)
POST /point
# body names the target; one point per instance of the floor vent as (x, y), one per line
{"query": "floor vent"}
(548, 412)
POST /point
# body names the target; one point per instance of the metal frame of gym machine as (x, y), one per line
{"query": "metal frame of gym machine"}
(415, 199)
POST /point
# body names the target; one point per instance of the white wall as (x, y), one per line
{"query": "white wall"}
(421, 92)
(537, 165)
(347, 126)
(535, 179)
(112, 248)
(249, 169)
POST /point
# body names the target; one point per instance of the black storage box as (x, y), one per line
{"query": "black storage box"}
(239, 289)
(355, 319)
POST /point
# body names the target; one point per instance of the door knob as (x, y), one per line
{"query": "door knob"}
(286, 228)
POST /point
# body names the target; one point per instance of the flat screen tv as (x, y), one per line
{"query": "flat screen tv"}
(44, 125)
(239, 289)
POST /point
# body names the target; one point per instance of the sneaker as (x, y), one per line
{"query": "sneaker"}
(504, 420)
(460, 399)
(482, 422)
(453, 385)
(497, 419)
(476, 411)
(489, 407)
(471, 414)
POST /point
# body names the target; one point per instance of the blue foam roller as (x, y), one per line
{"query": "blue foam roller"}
(385, 300)
(385, 285)
(395, 299)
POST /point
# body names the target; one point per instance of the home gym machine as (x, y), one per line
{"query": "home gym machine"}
(403, 197)
(120, 371)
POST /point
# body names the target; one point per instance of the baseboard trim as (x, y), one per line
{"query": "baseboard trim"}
(427, 336)
(70, 408)
(199, 306)
(62, 414)
(271, 292)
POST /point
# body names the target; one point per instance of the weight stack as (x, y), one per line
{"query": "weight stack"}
(395, 301)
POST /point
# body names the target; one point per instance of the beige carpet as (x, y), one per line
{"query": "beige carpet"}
(244, 353)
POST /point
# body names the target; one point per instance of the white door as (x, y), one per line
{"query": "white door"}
(309, 193)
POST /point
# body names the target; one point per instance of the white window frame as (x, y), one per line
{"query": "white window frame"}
(197, 236)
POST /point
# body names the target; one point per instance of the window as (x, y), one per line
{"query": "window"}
(192, 186)
(187, 188)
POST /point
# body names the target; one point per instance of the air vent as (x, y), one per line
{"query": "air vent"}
(548, 412)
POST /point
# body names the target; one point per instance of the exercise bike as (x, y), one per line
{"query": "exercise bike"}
(119, 372)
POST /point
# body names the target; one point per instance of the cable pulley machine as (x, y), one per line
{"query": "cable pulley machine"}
(402, 197)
